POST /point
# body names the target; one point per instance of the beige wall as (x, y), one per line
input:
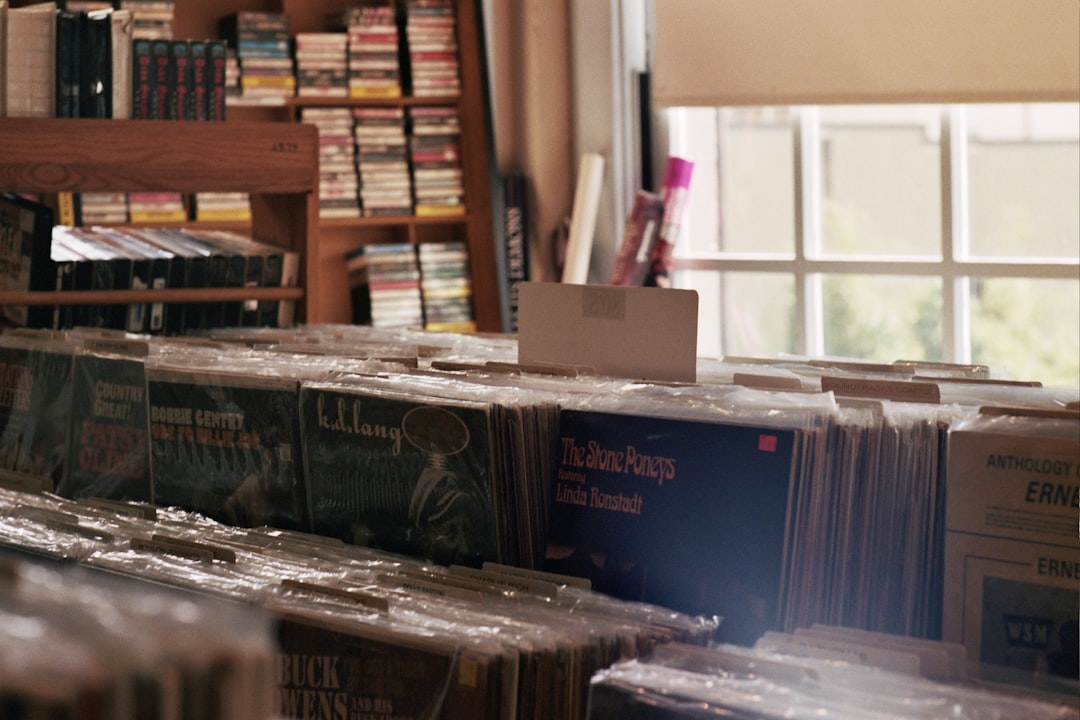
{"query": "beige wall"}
(530, 72)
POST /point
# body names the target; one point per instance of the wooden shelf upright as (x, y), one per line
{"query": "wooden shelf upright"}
(277, 163)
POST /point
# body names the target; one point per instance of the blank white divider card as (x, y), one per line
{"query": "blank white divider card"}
(642, 333)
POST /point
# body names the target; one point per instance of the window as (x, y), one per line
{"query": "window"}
(900, 231)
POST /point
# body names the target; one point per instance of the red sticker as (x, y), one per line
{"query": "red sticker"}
(766, 443)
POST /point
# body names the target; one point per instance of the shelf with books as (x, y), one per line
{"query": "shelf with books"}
(275, 162)
(476, 224)
(472, 218)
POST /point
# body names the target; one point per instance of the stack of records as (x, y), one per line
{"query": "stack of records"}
(446, 286)
(103, 208)
(338, 184)
(431, 31)
(156, 207)
(222, 206)
(435, 152)
(354, 627)
(827, 672)
(321, 64)
(382, 159)
(262, 45)
(112, 647)
(385, 283)
(151, 19)
(374, 63)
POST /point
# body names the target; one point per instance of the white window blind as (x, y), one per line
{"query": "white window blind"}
(816, 52)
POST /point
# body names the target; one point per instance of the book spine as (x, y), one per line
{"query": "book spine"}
(162, 78)
(639, 239)
(216, 58)
(142, 79)
(31, 61)
(290, 277)
(120, 47)
(673, 189)
(515, 238)
(95, 73)
(68, 206)
(273, 273)
(3, 57)
(68, 62)
(253, 274)
(200, 83)
(181, 101)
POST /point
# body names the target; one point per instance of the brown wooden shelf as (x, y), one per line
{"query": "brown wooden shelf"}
(308, 101)
(262, 149)
(124, 297)
(84, 155)
(276, 163)
(196, 18)
(395, 221)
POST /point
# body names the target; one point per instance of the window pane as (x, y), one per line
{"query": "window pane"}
(881, 180)
(757, 188)
(1027, 329)
(756, 312)
(742, 192)
(1024, 180)
(883, 317)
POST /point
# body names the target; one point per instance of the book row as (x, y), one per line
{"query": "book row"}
(118, 208)
(93, 60)
(386, 161)
(49, 257)
(772, 509)
(399, 284)
(263, 623)
(178, 79)
(374, 51)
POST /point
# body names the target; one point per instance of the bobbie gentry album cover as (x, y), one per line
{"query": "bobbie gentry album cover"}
(225, 445)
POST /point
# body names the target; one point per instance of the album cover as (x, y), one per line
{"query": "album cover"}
(35, 399)
(686, 514)
(109, 452)
(225, 445)
(337, 669)
(400, 474)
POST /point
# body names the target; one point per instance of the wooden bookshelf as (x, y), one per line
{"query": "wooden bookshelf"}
(277, 163)
(196, 159)
(199, 18)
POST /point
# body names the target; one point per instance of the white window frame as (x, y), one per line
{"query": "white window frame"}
(611, 41)
(954, 268)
